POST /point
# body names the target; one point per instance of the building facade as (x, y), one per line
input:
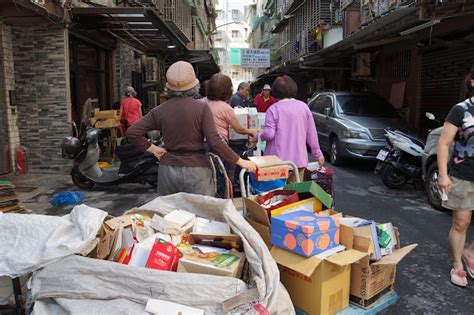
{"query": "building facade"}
(414, 53)
(54, 55)
(232, 30)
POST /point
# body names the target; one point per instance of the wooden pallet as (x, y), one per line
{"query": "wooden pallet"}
(383, 303)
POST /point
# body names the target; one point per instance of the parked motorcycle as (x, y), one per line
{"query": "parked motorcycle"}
(134, 166)
(400, 161)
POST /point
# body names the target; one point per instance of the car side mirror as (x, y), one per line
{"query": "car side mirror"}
(327, 112)
(430, 116)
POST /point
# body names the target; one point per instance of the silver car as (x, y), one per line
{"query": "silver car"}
(351, 125)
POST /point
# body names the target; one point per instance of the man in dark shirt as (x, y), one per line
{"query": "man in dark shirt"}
(240, 99)
(184, 123)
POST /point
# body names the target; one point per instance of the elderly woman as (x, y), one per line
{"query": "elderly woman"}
(184, 123)
(458, 185)
(130, 108)
(219, 91)
(289, 127)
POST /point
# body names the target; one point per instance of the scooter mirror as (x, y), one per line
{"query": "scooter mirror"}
(430, 116)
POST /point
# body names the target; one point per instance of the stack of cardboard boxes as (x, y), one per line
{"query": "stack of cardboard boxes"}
(323, 263)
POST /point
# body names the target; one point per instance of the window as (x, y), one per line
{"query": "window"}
(235, 14)
(220, 14)
(366, 105)
(219, 35)
(151, 69)
(320, 103)
(235, 74)
(235, 34)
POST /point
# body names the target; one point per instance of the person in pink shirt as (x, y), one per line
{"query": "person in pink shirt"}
(219, 91)
(130, 108)
(289, 127)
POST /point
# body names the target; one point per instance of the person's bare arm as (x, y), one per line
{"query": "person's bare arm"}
(447, 137)
(239, 129)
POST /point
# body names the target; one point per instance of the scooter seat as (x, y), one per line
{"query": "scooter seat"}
(127, 152)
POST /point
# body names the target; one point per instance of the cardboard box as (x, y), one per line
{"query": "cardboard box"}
(248, 118)
(311, 189)
(266, 169)
(369, 279)
(226, 265)
(305, 233)
(257, 216)
(163, 256)
(317, 286)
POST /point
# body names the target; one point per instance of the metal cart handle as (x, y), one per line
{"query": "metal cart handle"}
(243, 171)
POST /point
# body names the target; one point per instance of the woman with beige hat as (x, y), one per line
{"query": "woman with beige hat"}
(184, 123)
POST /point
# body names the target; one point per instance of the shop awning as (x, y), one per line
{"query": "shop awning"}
(205, 63)
(141, 27)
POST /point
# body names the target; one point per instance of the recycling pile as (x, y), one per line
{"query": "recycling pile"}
(9, 202)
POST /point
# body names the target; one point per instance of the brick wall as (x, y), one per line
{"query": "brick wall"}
(41, 88)
(124, 64)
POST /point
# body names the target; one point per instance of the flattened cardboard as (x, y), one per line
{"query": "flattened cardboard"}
(303, 265)
(197, 238)
(396, 257)
(313, 189)
(263, 230)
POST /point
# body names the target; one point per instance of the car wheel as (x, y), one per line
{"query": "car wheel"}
(391, 178)
(432, 188)
(334, 152)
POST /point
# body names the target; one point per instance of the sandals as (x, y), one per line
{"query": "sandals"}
(469, 266)
(458, 277)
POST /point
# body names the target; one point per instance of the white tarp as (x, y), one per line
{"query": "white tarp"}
(29, 242)
(78, 285)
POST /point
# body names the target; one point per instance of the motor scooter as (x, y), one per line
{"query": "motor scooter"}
(133, 166)
(400, 161)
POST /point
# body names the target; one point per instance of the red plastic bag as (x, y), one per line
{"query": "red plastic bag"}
(277, 199)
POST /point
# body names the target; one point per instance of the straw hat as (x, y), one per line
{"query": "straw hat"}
(181, 77)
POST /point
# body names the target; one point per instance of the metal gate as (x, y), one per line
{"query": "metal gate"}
(442, 76)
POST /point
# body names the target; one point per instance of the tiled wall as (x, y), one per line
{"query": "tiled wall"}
(124, 64)
(41, 93)
(8, 85)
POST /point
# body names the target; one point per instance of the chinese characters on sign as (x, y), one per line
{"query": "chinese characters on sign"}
(254, 58)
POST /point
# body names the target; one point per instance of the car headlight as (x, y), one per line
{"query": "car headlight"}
(354, 134)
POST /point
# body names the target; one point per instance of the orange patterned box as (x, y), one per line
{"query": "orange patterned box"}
(305, 233)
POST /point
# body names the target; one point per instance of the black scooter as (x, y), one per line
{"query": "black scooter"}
(134, 166)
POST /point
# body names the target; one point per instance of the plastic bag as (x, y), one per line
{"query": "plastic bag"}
(66, 198)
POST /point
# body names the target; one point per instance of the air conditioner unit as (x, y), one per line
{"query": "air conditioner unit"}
(361, 65)
(152, 99)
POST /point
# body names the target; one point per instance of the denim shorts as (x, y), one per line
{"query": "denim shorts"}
(461, 196)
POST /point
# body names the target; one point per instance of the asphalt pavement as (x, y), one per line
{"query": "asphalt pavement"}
(422, 280)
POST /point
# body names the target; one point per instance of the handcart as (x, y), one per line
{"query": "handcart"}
(243, 188)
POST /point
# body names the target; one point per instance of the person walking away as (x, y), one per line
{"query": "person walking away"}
(264, 100)
(219, 92)
(240, 98)
(184, 122)
(458, 184)
(130, 108)
(289, 127)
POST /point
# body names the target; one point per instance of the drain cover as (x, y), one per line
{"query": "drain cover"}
(384, 191)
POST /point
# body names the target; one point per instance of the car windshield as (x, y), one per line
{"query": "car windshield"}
(365, 105)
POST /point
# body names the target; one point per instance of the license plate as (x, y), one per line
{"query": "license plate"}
(382, 155)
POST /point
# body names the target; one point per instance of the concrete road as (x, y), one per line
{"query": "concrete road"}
(422, 280)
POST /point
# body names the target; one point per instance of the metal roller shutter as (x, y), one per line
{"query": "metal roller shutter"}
(442, 74)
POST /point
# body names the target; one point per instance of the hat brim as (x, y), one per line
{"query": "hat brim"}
(182, 88)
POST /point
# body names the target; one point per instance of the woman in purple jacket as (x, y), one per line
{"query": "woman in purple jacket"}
(289, 126)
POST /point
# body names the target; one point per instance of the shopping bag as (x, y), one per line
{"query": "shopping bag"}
(323, 176)
(277, 199)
